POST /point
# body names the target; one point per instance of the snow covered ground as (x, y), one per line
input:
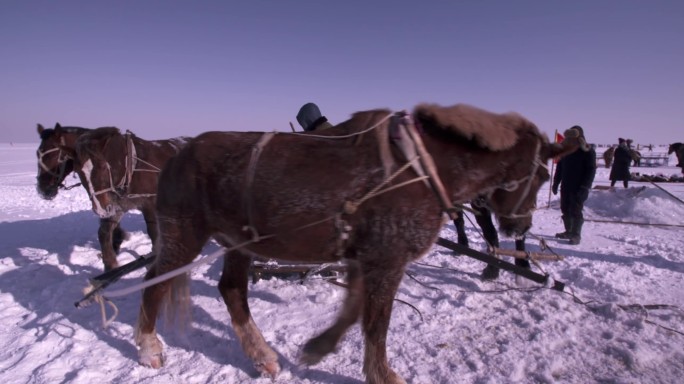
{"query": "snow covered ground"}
(619, 319)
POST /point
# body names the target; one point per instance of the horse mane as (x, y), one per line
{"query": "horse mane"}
(489, 130)
(49, 132)
(86, 141)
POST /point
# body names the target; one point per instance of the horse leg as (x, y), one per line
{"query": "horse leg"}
(105, 234)
(150, 216)
(181, 241)
(484, 220)
(520, 246)
(233, 288)
(459, 223)
(315, 349)
(381, 283)
(118, 237)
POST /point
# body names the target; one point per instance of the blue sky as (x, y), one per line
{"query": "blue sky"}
(167, 68)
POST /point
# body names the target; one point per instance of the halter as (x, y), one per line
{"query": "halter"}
(513, 185)
(121, 189)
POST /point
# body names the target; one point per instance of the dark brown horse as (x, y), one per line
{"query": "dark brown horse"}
(55, 162)
(371, 191)
(119, 172)
(608, 155)
(677, 149)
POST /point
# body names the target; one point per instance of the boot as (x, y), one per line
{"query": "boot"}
(567, 222)
(576, 233)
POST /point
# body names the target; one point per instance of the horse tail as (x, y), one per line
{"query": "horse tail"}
(176, 304)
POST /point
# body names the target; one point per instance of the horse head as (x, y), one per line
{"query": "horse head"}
(502, 157)
(55, 158)
(100, 161)
(515, 200)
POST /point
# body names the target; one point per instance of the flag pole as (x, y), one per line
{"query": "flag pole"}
(553, 163)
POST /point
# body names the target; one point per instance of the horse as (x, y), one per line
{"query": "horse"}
(677, 149)
(371, 191)
(55, 162)
(608, 156)
(636, 157)
(118, 171)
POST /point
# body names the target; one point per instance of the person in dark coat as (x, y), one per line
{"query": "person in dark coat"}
(310, 118)
(621, 162)
(575, 174)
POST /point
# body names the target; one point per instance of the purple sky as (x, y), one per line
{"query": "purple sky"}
(166, 68)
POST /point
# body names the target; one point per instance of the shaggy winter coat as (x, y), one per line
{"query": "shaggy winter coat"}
(621, 162)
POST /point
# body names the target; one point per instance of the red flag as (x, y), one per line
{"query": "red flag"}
(559, 139)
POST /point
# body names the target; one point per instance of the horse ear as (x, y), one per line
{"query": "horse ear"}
(40, 129)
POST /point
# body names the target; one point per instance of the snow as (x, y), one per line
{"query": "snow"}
(619, 319)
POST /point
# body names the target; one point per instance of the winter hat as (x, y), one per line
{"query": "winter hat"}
(579, 129)
(307, 116)
(576, 132)
(621, 140)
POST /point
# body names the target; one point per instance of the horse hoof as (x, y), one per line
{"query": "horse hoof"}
(315, 349)
(155, 361)
(150, 351)
(268, 369)
(490, 273)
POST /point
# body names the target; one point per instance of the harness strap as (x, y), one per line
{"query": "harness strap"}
(249, 180)
(428, 166)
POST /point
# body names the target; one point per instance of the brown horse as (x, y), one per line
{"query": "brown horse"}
(368, 191)
(608, 155)
(677, 149)
(119, 172)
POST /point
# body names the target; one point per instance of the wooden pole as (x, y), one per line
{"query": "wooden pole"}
(553, 163)
(671, 195)
(292, 127)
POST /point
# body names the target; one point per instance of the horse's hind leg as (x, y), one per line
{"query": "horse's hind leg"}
(315, 349)
(233, 288)
(181, 241)
(105, 234)
(381, 283)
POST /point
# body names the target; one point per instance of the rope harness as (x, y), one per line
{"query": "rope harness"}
(62, 158)
(122, 188)
(513, 185)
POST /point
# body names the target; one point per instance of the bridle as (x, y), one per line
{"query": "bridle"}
(513, 185)
(62, 158)
(122, 188)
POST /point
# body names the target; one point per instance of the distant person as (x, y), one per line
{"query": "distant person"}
(310, 119)
(575, 174)
(621, 162)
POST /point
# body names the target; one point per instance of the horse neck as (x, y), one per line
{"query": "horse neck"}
(465, 170)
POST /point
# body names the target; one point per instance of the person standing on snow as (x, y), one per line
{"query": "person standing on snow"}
(575, 174)
(621, 162)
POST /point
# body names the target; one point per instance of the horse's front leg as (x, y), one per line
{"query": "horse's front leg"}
(181, 241)
(381, 283)
(233, 288)
(105, 234)
(149, 346)
(315, 349)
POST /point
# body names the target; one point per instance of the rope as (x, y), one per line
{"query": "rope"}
(643, 309)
